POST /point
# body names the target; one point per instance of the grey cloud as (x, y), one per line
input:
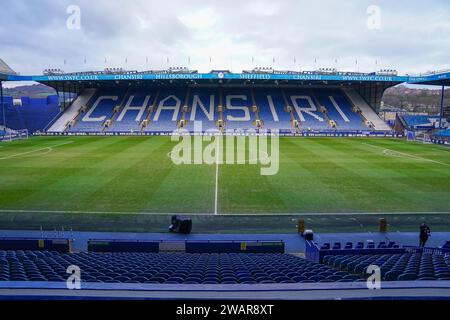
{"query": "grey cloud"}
(415, 36)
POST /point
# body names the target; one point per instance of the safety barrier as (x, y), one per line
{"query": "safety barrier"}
(316, 254)
(186, 246)
(59, 245)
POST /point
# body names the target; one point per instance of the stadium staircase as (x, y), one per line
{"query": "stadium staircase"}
(221, 124)
(183, 121)
(295, 123)
(73, 112)
(323, 110)
(258, 123)
(146, 122)
(366, 111)
(117, 110)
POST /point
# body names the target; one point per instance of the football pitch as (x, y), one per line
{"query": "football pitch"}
(132, 183)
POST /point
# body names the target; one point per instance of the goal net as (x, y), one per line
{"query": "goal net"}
(423, 137)
(11, 135)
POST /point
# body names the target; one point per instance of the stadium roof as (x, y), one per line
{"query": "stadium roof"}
(307, 78)
(5, 69)
(436, 79)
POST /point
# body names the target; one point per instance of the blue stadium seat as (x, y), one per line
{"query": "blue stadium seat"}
(164, 268)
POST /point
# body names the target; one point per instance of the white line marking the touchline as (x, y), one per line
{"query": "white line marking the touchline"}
(50, 148)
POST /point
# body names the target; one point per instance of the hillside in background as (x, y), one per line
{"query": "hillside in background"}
(34, 91)
(415, 100)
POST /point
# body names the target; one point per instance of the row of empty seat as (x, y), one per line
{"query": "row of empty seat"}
(165, 109)
(419, 121)
(394, 267)
(443, 134)
(359, 245)
(167, 268)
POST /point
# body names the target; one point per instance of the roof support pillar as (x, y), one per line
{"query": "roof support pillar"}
(3, 104)
(441, 114)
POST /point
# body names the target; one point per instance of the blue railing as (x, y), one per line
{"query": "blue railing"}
(198, 246)
(316, 254)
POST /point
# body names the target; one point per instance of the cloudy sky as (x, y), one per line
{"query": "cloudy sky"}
(412, 36)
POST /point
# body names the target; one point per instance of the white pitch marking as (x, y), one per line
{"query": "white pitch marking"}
(217, 177)
(406, 154)
(33, 151)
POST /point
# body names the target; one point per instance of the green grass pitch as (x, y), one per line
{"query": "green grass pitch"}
(95, 180)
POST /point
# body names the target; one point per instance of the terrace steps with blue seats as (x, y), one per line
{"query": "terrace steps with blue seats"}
(367, 113)
(70, 115)
(243, 117)
(419, 121)
(306, 111)
(395, 267)
(271, 108)
(395, 263)
(202, 107)
(109, 122)
(103, 109)
(167, 111)
(34, 114)
(132, 109)
(355, 121)
(258, 122)
(149, 111)
(323, 112)
(443, 133)
(184, 110)
(166, 268)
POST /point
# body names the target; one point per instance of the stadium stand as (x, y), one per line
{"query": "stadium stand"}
(33, 114)
(129, 116)
(306, 110)
(396, 263)
(237, 112)
(71, 114)
(443, 133)
(366, 111)
(203, 268)
(419, 121)
(395, 267)
(231, 108)
(101, 108)
(167, 111)
(5, 69)
(271, 109)
(202, 106)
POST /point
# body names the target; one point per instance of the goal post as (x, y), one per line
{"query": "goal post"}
(424, 137)
(22, 134)
(15, 135)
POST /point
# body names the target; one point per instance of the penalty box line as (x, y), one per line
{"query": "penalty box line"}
(49, 149)
(407, 155)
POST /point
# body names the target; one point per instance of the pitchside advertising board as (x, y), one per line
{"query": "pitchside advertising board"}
(280, 133)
